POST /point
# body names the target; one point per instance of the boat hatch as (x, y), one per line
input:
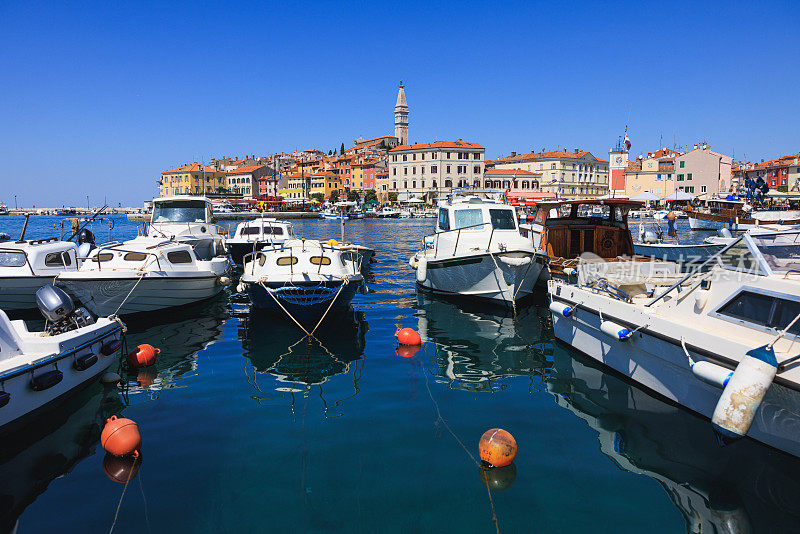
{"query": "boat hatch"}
(181, 211)
(761, 309)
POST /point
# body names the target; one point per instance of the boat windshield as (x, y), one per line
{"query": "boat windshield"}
(781, 251)
(502, 219)
(468, 217)
(739, 257)
(179, 211)
(12, 259)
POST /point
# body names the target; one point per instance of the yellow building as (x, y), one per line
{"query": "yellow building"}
(323, 182)
(194, 179)
(357, 175)
(654, 174)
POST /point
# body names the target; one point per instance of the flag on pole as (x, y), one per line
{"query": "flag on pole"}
(627, 142)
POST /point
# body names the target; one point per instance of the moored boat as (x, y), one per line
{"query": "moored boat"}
(478, 252)
(257, 234)
(39, 369)
(188, 219)
(718, 341)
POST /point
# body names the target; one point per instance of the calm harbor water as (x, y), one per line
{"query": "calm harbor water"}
(248, 427)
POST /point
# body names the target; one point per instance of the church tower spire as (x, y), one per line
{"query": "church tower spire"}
(401, 116)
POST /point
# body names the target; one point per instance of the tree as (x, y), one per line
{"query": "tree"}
(319, 197)
(371, 195)
(353, 196)
(330, 152)
(392, 196)
(334, 196)
(341, 150)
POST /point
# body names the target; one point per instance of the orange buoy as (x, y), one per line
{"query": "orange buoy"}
(407, 351)
(408, 336)
(146, 377)
(497, 447)
(143, 356)
(121, 436)
(671, 215)
(121, 468)
(498, 478)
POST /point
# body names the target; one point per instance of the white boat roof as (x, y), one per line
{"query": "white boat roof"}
(182, 197)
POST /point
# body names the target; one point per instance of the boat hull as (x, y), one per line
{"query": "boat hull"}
(104, 296)
(19, 293)
(484, 277)
(25, 402)
(660, 365)
(305, 314)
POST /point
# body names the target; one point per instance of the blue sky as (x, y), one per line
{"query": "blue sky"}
(98, 99)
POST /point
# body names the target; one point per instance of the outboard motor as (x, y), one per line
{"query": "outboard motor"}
(59, 310)
(650, 237)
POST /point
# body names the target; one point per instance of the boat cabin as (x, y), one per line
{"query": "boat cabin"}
(188, 219)
(263, 229)
(568, 228)
(182, 209)
(41, 257)
(476, 215)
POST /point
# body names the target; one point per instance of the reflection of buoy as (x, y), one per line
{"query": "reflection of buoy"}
(671, 216)
(110, 378)
(121, 468)
(408, 336)
(498, 478)
(143, 356)
(146, 377)
(121, 436)
(497, 447)
(407, 351)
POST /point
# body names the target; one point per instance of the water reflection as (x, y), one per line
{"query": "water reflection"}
(277, 348)
(180, 333)
(49, 447)
(743, 487)
(475, 347)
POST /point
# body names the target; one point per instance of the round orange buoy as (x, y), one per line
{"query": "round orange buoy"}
(498, 478)
(497, 447)
(407, 351)
(408, 336)
(143, 356)
(671, 215)
(121, 436)
(121, 468)
(529, 218)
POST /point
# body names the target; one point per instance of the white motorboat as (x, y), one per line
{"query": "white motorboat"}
(388, 213)
(478, 252)
(4, 209)
(39, 369)
(188, 219)
(257, 234)
(719, 341)
(144, 274)
(302, 277)
(25, 266)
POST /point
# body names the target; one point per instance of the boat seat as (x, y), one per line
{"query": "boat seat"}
(10, 341)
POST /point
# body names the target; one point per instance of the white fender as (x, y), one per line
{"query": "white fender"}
(570, 271)
(701, 298)
(515, 262)
(737, 406)
(616, 331)
(711, 373)
(559, 308)
(422, 269)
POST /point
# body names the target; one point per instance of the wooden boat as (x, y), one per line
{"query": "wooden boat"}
(721, 213)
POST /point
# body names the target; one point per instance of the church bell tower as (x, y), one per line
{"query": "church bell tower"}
(401, 116)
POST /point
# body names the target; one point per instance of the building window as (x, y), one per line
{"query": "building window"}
(414, 184)
(552, 165)
(477, 155)
(422, 169)
(680, 177)
(447, 169)
(682, 164)
(448, 155)
(405, 157)
(414, 170)
(487, 184)
(702, 189)
(448, 183)
(689, 176)
(405, 170)
(414, 156)
(433, 169)
(394, 171)
(476, 169)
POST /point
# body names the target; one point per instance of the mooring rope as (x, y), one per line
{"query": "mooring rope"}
(125, 487)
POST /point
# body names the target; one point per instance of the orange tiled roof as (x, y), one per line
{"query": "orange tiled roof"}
(438, 144)
(520, 172)
(553, 154)
(194, 167)
(246, 170)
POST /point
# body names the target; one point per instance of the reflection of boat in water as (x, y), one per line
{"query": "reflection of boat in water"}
(49, 447)
(274, 347)
(180, 335)
(745, 487)
(474, 348)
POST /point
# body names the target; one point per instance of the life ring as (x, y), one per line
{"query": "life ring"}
(607, 243)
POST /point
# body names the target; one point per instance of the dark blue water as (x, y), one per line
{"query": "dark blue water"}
(249, 427)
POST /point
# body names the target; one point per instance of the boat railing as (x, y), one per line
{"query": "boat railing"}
(458, 237)
(278, 247)
(114, 248)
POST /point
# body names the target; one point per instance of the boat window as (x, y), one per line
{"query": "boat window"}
(502, 219)
(444, 221)
(780, 251)
(57, 259)
(134, 256)
(251, 230)
(273, 230)
(179, 211)
(103, 256)
(12, 259)
(262, 260)
(179, 256)
(470, 217)
(739, 257)
(764, 310)
(287, 260)
(317, 260)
